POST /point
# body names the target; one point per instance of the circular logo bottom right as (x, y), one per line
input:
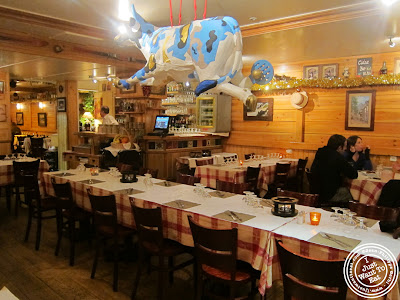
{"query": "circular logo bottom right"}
(371, 270)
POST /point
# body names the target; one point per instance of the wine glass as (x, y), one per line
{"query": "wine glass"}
(350, 220)
(360, 225)
(335, 214)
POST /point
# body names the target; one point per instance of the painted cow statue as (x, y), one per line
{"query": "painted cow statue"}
(208, 50)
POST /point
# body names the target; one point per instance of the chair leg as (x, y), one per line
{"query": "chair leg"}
(17, 200)
(200, 283)
(138, 274)
(29, 224)
(96, 257)
(115, 283)
(59, 222)
(39, 229)
(171, 273)
(161, 277)
(71, 226)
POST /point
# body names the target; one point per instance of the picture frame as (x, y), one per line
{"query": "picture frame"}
(19, 118)
(311, 72)
(396, 68)
(360, 110)
(329, 71)
(264, 110)
(1, 87)
(61, 104)
(42, 119)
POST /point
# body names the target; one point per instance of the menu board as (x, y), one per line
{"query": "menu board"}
(364, 66)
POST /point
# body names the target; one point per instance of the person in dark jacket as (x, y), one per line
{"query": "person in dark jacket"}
(329, 167)
(356, 154)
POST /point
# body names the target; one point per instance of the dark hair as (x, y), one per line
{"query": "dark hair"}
(105, 109)
(351, 141)
(336, 141)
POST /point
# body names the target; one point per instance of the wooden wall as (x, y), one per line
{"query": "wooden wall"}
(304, 131)
(5, 127)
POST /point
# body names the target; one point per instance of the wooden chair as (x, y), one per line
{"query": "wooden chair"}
(296, 183)
(304, 276)
(186, 179)
(280, 181)
(149, 225)
(204, 162)
(104, 210)
(380, 213)
(304, 199)
(153, 172)
(38, 207)
(66, 209)
(130, 157)
(312, 182)
(231, 187)
(37, 149)
(251, 178)
(248, 156)
(216, 260)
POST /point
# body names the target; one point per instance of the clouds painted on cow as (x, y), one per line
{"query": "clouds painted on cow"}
(209, 50)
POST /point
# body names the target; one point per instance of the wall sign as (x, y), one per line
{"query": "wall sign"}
(364, 66)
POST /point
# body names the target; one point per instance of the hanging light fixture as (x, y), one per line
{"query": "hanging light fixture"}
(391, 43)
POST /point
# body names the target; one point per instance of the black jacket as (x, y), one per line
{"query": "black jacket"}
(363, 162)
(329, 167)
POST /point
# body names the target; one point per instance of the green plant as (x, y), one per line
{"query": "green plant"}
(88, 105)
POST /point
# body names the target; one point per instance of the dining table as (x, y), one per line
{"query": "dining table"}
(258, 228)
(235, 172)
(218, 158)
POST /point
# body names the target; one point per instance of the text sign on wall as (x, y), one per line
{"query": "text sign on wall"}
(364, 66)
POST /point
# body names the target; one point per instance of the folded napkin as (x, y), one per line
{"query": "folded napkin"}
(181, 204)
(168, 183)
(369, 222)
(234, 216)
(90, 181)
(65, 174)
(5, 294)
(334, 241)
(128, 191)
(221, 194)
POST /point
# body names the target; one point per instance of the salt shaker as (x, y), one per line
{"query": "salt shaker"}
(301, 217)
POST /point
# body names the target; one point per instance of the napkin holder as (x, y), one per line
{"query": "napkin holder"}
(128, 177)
(284, 206)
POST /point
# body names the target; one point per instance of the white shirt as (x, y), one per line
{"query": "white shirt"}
(109, 120)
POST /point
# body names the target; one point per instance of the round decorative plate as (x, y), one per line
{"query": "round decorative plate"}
(265, 72)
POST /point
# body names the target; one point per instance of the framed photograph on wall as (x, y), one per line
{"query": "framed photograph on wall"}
(264, 110)
(311, 72)
(360, 110)
(329, 71)
(42, 119)
(61, 104)
(19, 118)
(1, 87)
(396, 68)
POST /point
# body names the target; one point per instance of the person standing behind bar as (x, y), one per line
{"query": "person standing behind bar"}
(329, 167)
(107, 119)
(356, 155)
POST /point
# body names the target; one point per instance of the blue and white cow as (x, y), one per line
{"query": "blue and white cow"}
(209, 50)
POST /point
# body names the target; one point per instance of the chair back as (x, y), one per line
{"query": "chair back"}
(374, 212)
(301, 168)
(63, 192)
(281, 174)
(130, 157)
(248, 156)
(149, 226)
(251, 178)
(313, 182)
(152, 172)
(31, 189)
(108, 160)
(37, 149)
(104, 210)
(304, 199)
(237, 188)
(302, 274)
(22, 168)
(216, 248)
(390, 194)
(204, 162)
(186, 179)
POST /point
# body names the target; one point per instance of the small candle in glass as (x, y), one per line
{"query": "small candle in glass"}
(315, 217)
(241, 162)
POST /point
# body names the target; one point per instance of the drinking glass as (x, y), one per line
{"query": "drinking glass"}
(350, 221)
(360, 225)
(335, 214)
(343, 217)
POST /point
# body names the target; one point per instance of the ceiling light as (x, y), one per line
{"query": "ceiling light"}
(391, 43)
(94, 80)
(122, 29)
(388, 2)
(123, 10)
(253, 18)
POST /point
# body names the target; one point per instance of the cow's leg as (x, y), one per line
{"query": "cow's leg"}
(243, 94)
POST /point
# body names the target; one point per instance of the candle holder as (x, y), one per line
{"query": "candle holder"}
(128, 177)
(284, 206)
(94, 171)
(241, 162)
(315, 217)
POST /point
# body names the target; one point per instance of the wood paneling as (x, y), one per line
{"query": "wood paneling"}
(30, 111)
(306, 130)
(5, 127)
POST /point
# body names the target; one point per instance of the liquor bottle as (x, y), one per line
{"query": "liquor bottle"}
(383, 70)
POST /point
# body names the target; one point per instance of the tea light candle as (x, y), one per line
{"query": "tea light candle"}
(241, 162)
(315, 217)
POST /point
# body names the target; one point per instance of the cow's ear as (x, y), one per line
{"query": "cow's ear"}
(132, 22)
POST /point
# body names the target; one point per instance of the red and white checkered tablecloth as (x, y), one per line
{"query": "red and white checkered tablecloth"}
(366, 191)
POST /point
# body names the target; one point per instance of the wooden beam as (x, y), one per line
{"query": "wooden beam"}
(358, 10)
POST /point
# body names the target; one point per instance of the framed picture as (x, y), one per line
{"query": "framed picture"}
(42, 119)
(364, 66)
(157, 90)
(311, 72)
(19, 118)
(396, 65)
(1, 87)
(61, 104)
(360, 110)
(3, 113)
(264, 110)
(329, 71)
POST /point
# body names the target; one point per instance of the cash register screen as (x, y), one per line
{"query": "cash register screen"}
(162, 123)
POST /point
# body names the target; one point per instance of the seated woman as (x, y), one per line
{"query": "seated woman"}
(356, 154)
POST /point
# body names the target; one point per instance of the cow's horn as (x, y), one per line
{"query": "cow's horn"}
(251, 103)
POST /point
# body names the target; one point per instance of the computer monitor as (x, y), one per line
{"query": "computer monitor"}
(162, 123)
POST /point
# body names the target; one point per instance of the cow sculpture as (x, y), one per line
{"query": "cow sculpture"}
(208, 50)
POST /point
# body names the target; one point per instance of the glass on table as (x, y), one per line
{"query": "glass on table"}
(360, 225)
(350, 220)
(335, 214)
(343, 217)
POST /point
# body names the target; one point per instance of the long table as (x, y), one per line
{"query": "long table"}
(256, 236)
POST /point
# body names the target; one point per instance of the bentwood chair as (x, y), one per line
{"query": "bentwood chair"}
(152, 172)
(309, 278)
(68, 213)
(280, 181)
(296, 183)
(216, 261)
(304, 199)
(104, 210)
(149, 225)
(186, 179)
(251, 178)
(231, 187)
(204, 162)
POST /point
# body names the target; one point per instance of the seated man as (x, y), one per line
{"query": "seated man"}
(329, 167)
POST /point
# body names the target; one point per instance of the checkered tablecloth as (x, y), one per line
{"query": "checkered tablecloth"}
(365, 189)
(234, 173)
(218, 158)
(256, 237)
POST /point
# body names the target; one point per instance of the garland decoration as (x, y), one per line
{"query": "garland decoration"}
(328, 83)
